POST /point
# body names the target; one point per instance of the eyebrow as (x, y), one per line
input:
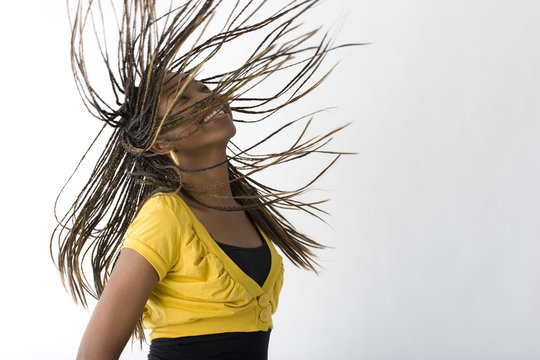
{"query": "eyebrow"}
(166, 90)
(169, 88)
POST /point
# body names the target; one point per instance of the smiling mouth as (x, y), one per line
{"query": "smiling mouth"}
(216, 112)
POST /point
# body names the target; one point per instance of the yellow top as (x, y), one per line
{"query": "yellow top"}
(200, 289)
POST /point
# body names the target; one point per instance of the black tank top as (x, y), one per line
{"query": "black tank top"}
(256, 263)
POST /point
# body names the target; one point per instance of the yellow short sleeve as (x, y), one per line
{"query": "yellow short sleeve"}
(154, 233)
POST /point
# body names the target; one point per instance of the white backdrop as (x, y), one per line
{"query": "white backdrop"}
(434, 222)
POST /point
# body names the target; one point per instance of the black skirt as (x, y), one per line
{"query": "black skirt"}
(225, 346)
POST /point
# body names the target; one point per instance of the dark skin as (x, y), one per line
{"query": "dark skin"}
(133, 278)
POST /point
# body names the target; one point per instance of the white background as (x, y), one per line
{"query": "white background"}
(435, 221)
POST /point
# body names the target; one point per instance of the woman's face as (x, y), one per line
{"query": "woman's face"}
(218, 127)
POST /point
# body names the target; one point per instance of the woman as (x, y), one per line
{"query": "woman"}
(189, 236)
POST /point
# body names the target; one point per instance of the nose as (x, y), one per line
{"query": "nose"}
(200, 95)
(197, 95)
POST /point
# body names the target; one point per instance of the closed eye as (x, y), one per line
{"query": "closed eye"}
(205, 88)
(182, 98)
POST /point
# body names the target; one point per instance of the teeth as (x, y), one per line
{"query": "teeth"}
(212, 114)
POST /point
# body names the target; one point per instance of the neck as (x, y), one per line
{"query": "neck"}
(213, 182)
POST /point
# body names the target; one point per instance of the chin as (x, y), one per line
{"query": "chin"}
(218, 135)
(223, 128)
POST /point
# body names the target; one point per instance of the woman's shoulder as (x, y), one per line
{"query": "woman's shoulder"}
(167, 205)
(157, 231)
(160, 215)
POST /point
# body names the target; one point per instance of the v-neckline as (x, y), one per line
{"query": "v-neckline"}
(232, 268)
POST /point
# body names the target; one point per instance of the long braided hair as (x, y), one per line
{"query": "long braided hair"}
(151, 43)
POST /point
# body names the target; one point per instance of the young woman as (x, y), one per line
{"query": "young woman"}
(181, 240)
(177, 255)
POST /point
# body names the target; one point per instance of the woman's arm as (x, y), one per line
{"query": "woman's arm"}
(119, 307)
